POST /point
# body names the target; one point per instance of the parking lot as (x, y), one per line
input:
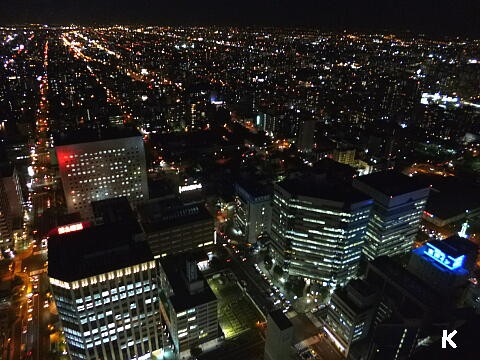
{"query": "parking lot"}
(237, 313)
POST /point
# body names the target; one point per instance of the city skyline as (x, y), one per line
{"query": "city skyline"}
(434, 18)
(309, 190)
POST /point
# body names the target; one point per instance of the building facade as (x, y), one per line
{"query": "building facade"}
(106, 290)
(399, 202)
(253, 211)
(11, 208)
(318, 227)
(350, 313)
(344, 156)
(188, 305)
(407, 308)
(173, 227)
(279, 338)
(97, 167)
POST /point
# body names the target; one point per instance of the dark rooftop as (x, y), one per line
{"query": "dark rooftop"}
(450, 196)
(362, 287)
(391, 183)
(455, 246)
(166, 213)
(95, 250)
(448, 205)
(174, 268)
(315, 186)
(87, 135)
(350, 297)
(398, 275)
(114, 210)
(280, 319)
(334, 170)
(253, 188)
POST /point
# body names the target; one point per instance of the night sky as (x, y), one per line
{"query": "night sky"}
(438, 17)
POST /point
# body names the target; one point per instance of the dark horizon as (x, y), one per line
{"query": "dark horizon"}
(434, 18)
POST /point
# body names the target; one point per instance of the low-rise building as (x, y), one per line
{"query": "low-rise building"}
(279, 339)
(188, 305)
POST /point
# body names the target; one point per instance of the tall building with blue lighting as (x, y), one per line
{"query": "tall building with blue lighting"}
(445, 264)
(411, 305)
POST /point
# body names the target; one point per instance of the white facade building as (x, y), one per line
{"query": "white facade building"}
(97, 168)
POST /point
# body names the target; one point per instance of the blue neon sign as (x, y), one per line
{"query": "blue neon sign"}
(446, 260)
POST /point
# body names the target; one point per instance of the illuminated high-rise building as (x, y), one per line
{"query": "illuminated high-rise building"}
(10, 205)
(106, 289)
(100, 164)
(318, 226)
(399, 201)
(253, 210)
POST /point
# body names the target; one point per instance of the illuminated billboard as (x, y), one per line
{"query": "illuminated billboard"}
(442, 258)
(186, 188)
(69, 228)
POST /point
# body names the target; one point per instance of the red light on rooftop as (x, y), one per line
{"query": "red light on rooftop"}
(428, 214)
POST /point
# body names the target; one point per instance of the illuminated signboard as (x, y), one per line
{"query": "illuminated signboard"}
(69, 228)
(446, 260)
(186, 188)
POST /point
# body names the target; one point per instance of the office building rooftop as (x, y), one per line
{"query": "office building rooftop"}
(96, 250)
(87, 135)
(316, 186)
(402, 278)
(455, 246)
(391, 183)
(183, 298)
(254, 188)
(114, 210)
(280, 319)
(160, 214)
